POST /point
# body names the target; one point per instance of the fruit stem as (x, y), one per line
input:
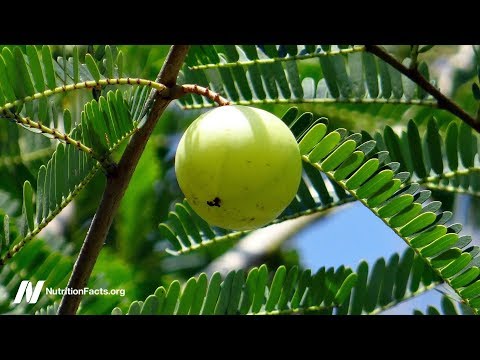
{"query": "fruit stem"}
(200, 90)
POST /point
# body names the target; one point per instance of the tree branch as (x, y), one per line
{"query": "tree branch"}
(414, 75)
(117, 183)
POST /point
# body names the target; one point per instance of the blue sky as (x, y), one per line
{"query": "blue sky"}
(348, 236)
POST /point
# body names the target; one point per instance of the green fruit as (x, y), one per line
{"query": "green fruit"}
(239, 167)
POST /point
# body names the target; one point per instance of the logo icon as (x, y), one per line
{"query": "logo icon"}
(31, 294)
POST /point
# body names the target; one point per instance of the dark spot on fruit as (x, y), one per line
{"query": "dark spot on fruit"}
(251, 219)
(215, 202)
(249, 161)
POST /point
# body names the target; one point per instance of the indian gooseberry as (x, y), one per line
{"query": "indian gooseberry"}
(239, 167)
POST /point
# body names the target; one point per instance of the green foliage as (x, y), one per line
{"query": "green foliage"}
(39, 261)
(389, 282)
(448, 307)
(327, 292)
(285, 292)
(21, 154)
(250, 74)
(25, 73)
(105, 124)
(49, 310)
(378, 185)
(444, 161)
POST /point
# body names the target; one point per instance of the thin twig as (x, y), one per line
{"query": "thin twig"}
(117, 183)
(52, 214)
(413, 74)
(200, 90)
(328, 101)
(92, 84)
(106, 162)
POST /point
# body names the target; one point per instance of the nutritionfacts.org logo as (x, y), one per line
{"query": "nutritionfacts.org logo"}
(31, 293)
